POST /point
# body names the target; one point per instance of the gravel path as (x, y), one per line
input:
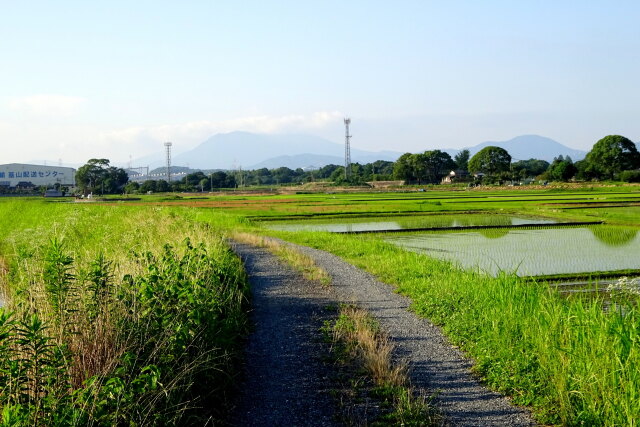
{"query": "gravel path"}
(284, 303)
(435, 366)
(285, 382)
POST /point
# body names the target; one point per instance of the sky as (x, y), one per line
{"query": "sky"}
(116, 79)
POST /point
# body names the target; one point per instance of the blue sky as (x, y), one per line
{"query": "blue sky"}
(116, 79)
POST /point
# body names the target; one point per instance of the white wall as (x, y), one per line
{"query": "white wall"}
(13, 173)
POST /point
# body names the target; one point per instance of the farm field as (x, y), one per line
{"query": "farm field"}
(568, 359)
(533, 252)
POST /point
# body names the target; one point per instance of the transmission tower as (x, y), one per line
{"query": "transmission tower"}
(347, 149)
(168, 148)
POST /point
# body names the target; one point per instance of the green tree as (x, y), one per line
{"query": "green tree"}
(381, 170)
(149, 185)
(561, 169)
(131, 187)
(97, 176)
(162, 186)
(403, 169)
(612, 155)
(462, 160)
(436, 164)
(221, 179)
(418, 164)
(529, 168)
(490, 161)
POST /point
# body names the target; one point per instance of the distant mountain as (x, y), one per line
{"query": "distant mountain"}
(254, 151)
(531, 147)
(304, 161)
(250, 151)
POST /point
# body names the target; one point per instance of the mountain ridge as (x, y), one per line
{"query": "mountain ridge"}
(254, 151)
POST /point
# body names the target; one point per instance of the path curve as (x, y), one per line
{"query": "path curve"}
(283, 302)
(435, 365)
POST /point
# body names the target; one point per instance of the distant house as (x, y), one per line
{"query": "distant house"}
(455, 175)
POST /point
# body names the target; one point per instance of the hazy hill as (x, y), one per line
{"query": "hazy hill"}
(532, 147)
(254, 151)
(250, 150)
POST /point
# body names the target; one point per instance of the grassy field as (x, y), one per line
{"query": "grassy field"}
(115, 315)
(568, 359)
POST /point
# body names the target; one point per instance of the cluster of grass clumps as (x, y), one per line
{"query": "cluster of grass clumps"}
(569, 359)
(357, 339)
(148, 339)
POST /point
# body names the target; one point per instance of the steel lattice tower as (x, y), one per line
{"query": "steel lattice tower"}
(168, 148)
(347, 149)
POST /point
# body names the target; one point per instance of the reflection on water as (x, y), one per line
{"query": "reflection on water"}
(407, 222)
(614, 236)
(531, 252)
(494, 233)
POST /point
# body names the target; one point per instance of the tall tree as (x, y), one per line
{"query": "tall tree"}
(403, 169)
(97, 176)
(462, 160)
(490, 161)
(612, 155)
(561, 169)
(436, 164)
(530, 168)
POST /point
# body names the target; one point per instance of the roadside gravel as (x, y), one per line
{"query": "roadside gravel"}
(435, 365)
(286, 383)
(284, 380)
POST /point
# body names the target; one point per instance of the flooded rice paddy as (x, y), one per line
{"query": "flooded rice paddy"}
(407, 222)
(532, 252)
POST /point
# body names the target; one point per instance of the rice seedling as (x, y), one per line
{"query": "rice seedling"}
(532, 252)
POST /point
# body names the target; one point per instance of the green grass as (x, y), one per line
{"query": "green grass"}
(115, 315)
(568, 359)
(571, 361)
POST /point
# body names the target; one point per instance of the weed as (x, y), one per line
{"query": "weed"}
(357, 337)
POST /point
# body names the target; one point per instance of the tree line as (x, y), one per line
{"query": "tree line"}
(613, 157)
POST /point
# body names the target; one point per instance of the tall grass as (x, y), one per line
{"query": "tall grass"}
(116, 315)
(571, 361)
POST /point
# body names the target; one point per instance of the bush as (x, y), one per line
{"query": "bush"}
(149, 349)
(630, 176)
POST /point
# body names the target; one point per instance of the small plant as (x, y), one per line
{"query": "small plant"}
(99, 282)
(625, 287)
(58, 279)
(357, 336)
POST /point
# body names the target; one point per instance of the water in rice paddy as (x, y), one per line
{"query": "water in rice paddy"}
(406, 222)
(531, 252)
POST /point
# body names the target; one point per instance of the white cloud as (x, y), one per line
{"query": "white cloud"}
(47, 105)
